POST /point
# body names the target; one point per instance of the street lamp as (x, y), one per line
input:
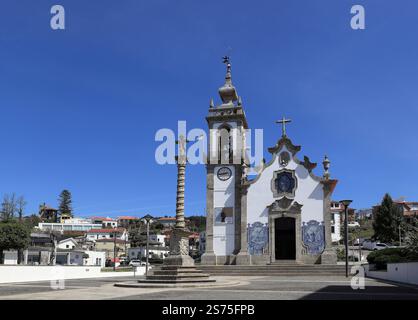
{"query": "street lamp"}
(346, 203)
(147, 219)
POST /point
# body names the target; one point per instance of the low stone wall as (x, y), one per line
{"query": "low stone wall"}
(13, 274)
(399, 272)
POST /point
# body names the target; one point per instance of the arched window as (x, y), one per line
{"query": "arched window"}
(225, 146)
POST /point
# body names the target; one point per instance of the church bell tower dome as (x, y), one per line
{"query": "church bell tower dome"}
(228, 92)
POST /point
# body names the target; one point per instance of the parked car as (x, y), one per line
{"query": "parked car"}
(354, 224)
(138, 263)
(373, 245)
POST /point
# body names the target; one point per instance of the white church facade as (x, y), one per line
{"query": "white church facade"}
(281, 214)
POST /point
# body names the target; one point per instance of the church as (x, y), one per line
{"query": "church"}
(281, 214)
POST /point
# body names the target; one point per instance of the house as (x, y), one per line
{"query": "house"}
(337, 211)
(106, 222)
(155, 252)
(96, 234)
(74, 224)
(409, 209)
(167, 221)
(125, 221)
(47, 213)
(67, 244)
(108, 246)
(160, 238)
(80, 257)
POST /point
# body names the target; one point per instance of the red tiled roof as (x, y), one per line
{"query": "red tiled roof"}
(128, 218)
(102, 218)
(167, 219)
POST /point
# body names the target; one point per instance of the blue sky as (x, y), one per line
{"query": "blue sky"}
(79, 108)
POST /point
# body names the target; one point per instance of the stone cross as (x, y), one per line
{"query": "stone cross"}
(283, 122)
(181, 159)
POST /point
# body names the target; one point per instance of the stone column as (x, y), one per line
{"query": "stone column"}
(329, 256)
(181, 170)
(209, 256)
(179, 241)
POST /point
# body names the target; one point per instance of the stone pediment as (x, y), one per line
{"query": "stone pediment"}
(285, 141)
(285, 205)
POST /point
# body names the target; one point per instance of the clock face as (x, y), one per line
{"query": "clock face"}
(224, 173)
(285, 182)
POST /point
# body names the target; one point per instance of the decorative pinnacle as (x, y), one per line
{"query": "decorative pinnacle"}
(211, 104)
(326, 163)
(227, 91)
(227, 61)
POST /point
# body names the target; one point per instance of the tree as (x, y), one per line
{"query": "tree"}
(31, 221)
(13, 236)
(8, 207)
(20, 207)
(65, 203)
(388, 218)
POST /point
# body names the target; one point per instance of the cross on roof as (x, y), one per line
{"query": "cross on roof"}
(283, 122)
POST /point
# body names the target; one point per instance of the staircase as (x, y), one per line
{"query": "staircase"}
(176, 274)
(282, 268)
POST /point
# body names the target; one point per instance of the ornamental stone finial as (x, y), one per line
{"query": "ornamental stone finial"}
(326, 163)
(227, 92)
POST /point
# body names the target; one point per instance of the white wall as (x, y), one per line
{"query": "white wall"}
(398, 272)
(224, 196)
(309, 193)
(67, 242)
(13, 274)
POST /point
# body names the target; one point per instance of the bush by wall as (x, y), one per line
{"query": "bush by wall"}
(381, 258)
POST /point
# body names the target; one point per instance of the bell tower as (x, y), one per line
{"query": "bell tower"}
(225, 227)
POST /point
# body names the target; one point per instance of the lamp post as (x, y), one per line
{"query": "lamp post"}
(147, 219)
(114, 250)
(346, 203)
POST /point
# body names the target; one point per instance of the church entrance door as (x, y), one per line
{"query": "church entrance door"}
(285, 238)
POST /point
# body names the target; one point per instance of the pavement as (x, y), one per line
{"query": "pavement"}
(247, 288)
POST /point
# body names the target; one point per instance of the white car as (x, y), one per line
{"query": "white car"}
(138, 263)
(354, 224)
(372, 245)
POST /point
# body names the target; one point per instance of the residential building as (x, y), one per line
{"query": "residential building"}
(81, 257)
(47, 213)
(99, 234)
(167, 221)
(125, 221)
(155, 252)
(67, 244)
(160, 238)
(364, 213)
(337, 211)
(106, 222)
(73, 224)
(409, 209)
(108, 246)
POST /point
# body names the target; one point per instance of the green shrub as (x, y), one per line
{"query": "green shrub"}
(381, 258)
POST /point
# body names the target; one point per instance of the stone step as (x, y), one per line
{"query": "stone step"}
(175, 281)
(173, 273)
(275, 274)
(178, 277)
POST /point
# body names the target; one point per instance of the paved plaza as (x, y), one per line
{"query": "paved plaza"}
(269, 288)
